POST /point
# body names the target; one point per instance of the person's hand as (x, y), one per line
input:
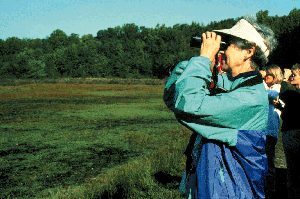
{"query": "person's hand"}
(263, 73)
(210, 45)
(287, 73)
(275, 102)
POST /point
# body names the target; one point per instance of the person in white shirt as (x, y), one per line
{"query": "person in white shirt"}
(272, 80)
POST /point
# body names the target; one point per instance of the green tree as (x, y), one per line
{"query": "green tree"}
(28, 65)
(130, 51)
(51, 67)
(58, 39)
(13, 45)
(262, 17)
(130, 31)
(73, 39)
(36, 69)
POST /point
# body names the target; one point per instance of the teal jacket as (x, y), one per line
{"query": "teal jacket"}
(233, 125)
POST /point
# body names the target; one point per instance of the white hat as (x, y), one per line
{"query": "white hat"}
(244, 30)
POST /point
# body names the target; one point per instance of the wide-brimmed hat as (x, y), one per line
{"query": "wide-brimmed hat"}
(244, 30)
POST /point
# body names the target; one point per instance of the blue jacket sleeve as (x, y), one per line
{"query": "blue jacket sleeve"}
(215, 117)
(169, 91)
(273, 95)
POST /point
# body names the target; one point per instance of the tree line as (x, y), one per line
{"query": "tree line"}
(130, 51)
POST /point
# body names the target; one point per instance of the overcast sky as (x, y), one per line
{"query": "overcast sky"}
(39, 18)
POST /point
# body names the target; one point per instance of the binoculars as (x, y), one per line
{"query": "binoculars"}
(197, 41)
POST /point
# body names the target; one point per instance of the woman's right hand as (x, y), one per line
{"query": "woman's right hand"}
(263, 73)
(210, 45)
(287, 73)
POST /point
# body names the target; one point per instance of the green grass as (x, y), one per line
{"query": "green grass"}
(89, 141)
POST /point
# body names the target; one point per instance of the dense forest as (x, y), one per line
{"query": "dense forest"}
(130, 51)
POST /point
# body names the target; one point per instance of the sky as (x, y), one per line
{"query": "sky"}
(39, 18)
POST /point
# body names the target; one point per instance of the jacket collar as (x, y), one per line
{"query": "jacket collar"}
(244, 75)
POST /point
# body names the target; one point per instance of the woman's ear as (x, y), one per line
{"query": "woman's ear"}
(249, 52)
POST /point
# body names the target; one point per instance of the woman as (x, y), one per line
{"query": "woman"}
(272, 80)
(226, 154)
(290, 95)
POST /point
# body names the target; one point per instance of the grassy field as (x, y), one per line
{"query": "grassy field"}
(78, 140)
(67, 139)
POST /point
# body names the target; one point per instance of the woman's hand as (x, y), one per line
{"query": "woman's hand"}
(275, 102)
(263, 73)
(287, 74)
(210, 45)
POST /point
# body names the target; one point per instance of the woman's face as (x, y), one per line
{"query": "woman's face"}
(269, 79)
(295, 79)
(234, 58)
